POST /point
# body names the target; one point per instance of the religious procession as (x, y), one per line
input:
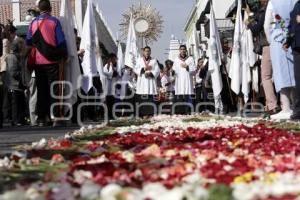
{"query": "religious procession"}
(150, 100)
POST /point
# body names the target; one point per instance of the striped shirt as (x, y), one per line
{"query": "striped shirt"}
(52, 32)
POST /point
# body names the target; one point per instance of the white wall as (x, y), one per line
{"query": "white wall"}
(221, 7)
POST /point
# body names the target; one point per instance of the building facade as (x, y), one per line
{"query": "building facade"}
(6, 11)
(174, 48)
(16, 10)
(197, 25)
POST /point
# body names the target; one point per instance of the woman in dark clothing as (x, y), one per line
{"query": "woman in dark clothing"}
(7, 36)
(293, 41)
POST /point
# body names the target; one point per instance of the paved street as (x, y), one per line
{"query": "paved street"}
(12, 136)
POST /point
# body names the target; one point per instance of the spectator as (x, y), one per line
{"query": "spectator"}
(262, 47)
(13, 80)
(293, 41)
(276, 21)
(167, 91)
(200, 89)
(8, 35)
(46, 36)
(110, 71)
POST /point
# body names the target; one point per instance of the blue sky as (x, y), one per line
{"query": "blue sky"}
(174, 12)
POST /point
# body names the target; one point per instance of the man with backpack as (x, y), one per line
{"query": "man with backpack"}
(49, 49)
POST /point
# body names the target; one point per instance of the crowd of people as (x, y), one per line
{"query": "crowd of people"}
(275, 26)
(30, 66)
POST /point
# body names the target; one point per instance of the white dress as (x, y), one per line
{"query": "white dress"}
(282, 62)
(146, 86)
(184, 78)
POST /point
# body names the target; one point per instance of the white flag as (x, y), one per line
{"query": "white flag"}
(251, 56)
(120, 67)
(71, 68)
(131, 53)
(92, 62)
(235, 72)
(97, 5)
(196, 42)
(120, 59)
(248, 58)
(215, 55)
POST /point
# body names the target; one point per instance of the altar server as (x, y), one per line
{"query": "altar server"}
(147, 71)
(184, 68)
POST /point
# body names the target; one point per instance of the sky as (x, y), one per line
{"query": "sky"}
(174, 12)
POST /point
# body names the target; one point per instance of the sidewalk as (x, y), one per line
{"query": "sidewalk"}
(12, 136)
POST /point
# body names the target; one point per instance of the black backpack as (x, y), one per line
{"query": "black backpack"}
(52, 53)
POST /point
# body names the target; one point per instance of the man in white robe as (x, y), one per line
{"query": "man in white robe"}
(184, 68)
(147, 71)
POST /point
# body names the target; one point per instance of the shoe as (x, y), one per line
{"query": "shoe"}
(282, 115)
(274, 111)
(217, 111)
(13, 124)
(58, 124)
(223, 113)
(41, 124)
(55, 124)
(34, 125)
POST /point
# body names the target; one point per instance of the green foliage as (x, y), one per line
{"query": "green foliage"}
(220, 192)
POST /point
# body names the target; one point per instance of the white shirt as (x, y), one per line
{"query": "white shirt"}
(146, 86)
(165, 80)
(198, 80)
(184, 78)
(111, 81)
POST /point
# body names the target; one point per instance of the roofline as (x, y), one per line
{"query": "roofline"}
(192, 13)
(107, 27)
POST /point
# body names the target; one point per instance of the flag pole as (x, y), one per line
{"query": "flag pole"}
(61, 79)
(227, 81)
